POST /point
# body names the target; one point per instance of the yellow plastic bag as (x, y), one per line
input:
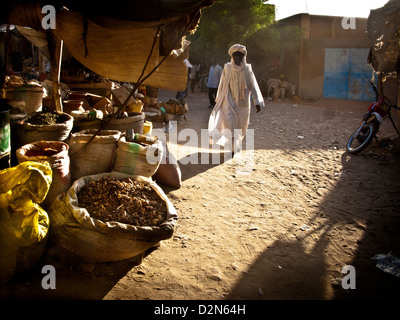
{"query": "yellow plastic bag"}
(24, 224)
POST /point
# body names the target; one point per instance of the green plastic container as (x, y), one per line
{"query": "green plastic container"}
(5, 135)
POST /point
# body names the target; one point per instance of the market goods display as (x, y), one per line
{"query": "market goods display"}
(125, 122)
(24, 224)
(47, 118)
(141, 157)
(80, 235)
(32, 93)
(56, 154)
(94, 157)
(47, 126)
(123, 200)
(174, 106)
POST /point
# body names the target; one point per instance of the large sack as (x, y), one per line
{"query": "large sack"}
(92, 240)
(140, 158)
(96, 156)
(28, 132)
(24, 224)
(169, 172)
(56, 154)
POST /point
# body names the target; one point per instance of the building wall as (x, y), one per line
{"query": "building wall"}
(320, 32)
(311, 79)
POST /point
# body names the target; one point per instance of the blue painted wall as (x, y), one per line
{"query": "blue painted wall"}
(347, 74)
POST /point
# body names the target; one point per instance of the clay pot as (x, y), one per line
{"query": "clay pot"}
(77, 95)
(72, 105)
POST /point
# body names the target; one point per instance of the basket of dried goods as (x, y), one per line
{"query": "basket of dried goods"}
(47, 126)
(110, 217)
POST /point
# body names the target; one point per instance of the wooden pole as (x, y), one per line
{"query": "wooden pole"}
(3, 72)
(55, 46)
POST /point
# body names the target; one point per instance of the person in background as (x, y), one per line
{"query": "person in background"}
(230, 117)
(193, 77)
(181, 95)
(214, 77)
(202, 75)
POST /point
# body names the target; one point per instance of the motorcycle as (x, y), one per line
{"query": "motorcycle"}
(379, 110)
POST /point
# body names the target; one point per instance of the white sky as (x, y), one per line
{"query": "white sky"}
(340, 8)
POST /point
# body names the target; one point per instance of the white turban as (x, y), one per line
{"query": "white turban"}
(237, 77)
(237, 47)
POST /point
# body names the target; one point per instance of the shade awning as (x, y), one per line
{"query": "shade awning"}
(115, 40)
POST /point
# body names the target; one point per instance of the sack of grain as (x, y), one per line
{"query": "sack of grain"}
(81, 233)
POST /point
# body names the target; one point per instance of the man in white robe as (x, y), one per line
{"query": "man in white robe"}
(230, 117)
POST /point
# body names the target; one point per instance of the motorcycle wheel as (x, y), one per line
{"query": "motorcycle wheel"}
(364, 138)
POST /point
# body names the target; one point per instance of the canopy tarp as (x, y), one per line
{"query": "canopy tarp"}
(115, 39)
(383, 28)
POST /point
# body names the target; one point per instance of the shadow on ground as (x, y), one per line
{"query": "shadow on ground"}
(280, 274)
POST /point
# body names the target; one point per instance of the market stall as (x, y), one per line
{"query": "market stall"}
(129, 45)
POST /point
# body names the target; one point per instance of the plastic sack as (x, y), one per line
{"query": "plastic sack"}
(388, 263)
(92, 240)
(24, 224)
(141, 158)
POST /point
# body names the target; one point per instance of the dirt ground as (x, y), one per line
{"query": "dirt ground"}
(282, 227)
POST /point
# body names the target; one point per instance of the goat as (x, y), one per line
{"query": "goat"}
(280, 84)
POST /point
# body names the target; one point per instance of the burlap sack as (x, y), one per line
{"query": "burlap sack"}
(91, 240)
(94, 157)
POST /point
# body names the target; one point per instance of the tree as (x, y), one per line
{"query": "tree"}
(248, 22)
(225, 23)
(275, 44)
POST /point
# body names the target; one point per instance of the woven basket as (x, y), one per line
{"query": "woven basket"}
(32, 95)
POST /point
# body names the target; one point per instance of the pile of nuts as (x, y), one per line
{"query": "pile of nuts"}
(123, 200)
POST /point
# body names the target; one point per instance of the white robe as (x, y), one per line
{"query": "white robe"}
(230, 116)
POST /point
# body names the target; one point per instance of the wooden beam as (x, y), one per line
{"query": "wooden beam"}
(55, 46)
(3, 71)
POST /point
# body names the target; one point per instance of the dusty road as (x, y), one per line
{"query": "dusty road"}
(282, 227)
